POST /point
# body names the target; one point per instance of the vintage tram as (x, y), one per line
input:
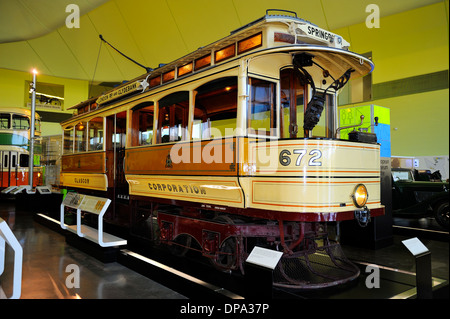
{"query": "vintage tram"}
(15, 126)
(232, 146)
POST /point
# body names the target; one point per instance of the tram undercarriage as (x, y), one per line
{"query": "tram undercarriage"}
(310, 258)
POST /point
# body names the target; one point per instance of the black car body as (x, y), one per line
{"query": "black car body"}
(412, 198)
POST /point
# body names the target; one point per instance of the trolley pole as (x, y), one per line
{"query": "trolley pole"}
(33, 110)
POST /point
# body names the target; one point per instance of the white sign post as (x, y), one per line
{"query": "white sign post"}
(423, 267)
(259, 268)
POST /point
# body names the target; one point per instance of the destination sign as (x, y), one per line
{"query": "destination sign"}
(322, 35)
(120, 92)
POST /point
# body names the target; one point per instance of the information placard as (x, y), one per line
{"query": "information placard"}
(264, 257)
(73, 200)
(415, 246)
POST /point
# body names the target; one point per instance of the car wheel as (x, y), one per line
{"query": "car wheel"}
(441, 214)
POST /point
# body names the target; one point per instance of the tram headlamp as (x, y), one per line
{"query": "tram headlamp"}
(360, 195)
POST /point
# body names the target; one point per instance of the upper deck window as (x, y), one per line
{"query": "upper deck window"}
(250, 43)
(20, 122)
(202, 62)
(215, 109)
(185, 69)
(225, 53)
(5, 121)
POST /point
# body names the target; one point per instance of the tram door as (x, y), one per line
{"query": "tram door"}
(8, 168)
(115, 152)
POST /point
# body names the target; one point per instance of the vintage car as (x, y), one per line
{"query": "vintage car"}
(413, 198)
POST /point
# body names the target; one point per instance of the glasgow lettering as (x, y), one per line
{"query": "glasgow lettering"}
(81, 180)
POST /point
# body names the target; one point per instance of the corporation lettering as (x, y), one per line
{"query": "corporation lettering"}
(177, 188)
(81, 180)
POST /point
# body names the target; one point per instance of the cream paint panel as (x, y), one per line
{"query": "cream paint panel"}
(308, 195)
(269, 65)
(317, 157)
(224, 191)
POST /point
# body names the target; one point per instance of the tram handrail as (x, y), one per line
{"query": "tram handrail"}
(7, 236)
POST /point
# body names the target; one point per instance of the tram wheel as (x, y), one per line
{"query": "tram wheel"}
(181, 245)
(226, 257)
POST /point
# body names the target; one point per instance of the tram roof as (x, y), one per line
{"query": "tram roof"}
(300, 32)
(18, 110)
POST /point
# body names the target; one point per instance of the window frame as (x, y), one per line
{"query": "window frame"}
(274, 132)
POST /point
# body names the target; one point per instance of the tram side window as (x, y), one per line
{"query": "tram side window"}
(5, 121)
(96, 134)
(173, 117)
(262, 116)
(142, 126)
(20, 122)
(80, 137)
(24, 160)
(13, 160)
(68, 140)
(5, 160)
(215, 109)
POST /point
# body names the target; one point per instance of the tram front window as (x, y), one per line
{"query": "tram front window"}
(20, 122)
(262, 112)
(293, 103)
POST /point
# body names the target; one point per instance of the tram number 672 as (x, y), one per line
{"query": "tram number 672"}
(314, 157)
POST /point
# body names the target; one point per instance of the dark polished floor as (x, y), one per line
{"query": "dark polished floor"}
(46, 256)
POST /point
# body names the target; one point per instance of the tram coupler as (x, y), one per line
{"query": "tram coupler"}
(362, 216)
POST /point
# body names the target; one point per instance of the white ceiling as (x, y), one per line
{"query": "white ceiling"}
(33, 33)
